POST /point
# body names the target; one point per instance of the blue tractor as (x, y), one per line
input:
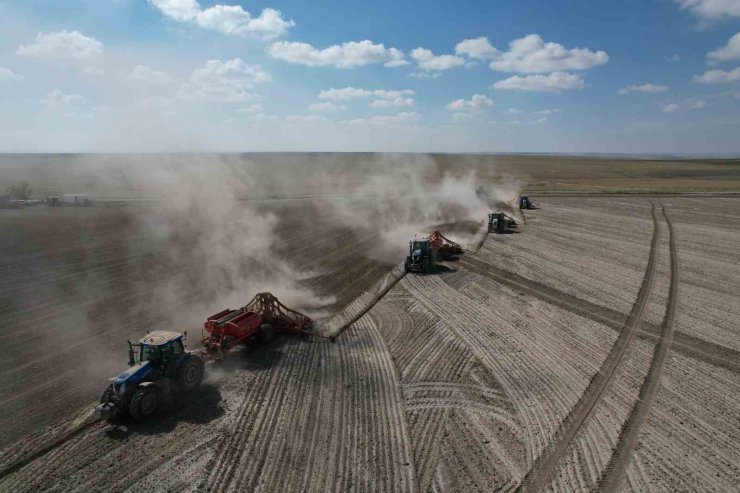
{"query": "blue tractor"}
(163, 370)
(421, 257)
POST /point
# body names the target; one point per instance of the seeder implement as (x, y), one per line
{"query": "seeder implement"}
(443, 245)
(261, 318)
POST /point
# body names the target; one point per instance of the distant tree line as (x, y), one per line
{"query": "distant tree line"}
(21, 191)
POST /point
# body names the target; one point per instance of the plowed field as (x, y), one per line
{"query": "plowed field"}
(596, 347)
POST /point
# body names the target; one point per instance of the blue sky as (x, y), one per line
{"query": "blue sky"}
(651, 76)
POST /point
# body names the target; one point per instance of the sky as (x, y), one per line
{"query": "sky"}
(546, 76)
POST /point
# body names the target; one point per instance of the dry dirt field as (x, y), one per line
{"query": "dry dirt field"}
(598, 347)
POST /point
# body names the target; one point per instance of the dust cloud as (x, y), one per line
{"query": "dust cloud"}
(217, 243)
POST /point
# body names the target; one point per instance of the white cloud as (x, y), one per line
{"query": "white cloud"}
(730, 51)
(61, 45)
(429, 61)
(548, 111)
(540, 121)
(479, 48)
(348, 93)
(398, 119)
(327, 107)
(346, 55)
(395, 102)
(531, 55)
(404, 117)
(146, 75)
(157, 102)
(554, 82)
(252, 109)
(305, 118)
(711, 9)
(475, 104)
(718, 76)
(462, 116)
(7, 75)
(514, 111)
(648, 88)
(228, 19)
(179, 10)
(223, 82)
(425, 75)
(671, 108)
(674, 58)
(693, 105)
(57, 99)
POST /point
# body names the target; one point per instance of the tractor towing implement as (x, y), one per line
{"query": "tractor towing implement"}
(424, 253)
(262, 319)
(160, 369)
(499, 222)
(524, 202)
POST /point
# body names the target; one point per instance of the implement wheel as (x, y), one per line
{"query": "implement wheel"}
(266, 334)
(144, 403)
(190, 373)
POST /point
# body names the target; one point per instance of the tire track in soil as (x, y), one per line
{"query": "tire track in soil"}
(40, 452)
(539, 475)
(689, 346)
(615, 471)
(382, 288)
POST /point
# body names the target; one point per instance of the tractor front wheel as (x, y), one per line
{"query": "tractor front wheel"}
(190, 373)
(266, 334)
(144, 403)
(107, 395)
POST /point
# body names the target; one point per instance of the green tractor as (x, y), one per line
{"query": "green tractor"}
(421, 256)
(164, 370)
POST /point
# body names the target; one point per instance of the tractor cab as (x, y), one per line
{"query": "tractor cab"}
(418, 248)
(160, 346)
(524, 202)
(421, 256)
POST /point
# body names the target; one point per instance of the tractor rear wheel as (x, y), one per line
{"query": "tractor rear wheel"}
(190, 373)
(266, 334)
(144, 403)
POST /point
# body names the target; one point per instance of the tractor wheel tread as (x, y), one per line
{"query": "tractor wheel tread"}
(135, 409)
(190, 373)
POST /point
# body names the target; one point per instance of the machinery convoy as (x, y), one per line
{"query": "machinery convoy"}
(424, 253)
(161, 369)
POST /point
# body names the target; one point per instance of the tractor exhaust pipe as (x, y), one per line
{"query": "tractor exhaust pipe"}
(131, 361)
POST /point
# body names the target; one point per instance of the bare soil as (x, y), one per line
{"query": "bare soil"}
(596, 348)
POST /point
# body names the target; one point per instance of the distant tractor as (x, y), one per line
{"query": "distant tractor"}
(499, 222)
(164, 370)
(524, 202)
(424, 253)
